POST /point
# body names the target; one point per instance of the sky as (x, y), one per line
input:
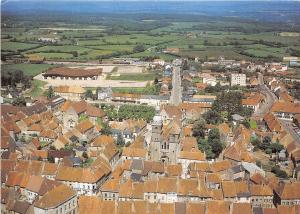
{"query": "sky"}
(148, 0)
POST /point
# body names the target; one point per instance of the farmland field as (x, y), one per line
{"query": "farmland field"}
(15, 46)
(54, 55)
(147, 37)
(62, 48)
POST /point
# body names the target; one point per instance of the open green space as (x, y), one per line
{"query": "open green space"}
(253, 124)
(28, 69)
(123, 90)
(37, 88)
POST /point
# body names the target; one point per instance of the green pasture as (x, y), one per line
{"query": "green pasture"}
(16, 46)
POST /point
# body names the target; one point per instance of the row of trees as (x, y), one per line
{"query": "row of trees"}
(12, 78)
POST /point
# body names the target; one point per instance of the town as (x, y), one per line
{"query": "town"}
(79, 151)
(120, 107)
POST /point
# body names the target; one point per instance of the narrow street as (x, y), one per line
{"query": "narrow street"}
(270, 98)
(176, 93)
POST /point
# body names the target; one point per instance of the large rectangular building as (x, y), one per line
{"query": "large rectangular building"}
(238, 79)
(65, 73)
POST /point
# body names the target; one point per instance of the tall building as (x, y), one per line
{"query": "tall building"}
(238, 79)
(156, 138)
(164, 145)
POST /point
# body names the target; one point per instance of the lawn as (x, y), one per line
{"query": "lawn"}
(253, 124)
(37, 88)
(134, 77)
(28, 69)
(123, 90)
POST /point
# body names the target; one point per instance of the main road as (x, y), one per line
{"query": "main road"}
(176, 93)
(270, 99)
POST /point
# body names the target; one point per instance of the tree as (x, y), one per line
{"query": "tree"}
(120, 140)
(137, 112)
(278, 172)
(50, 92)
(246, 123)
(214, 140)
(191, 46)
(52, 147)
(214, 134)
(139, 48)
(19, 101)
(206, 148)
(88, 94)
(11, 78)
(51, 159)
(276, 147)
(255, 141)
(246, 111)
(199, 128)
(106, 130)
(68, 147)
(230, 102)
(85, 155)
(212, 117)
(83, 117)
(258, 163)
(266, 143)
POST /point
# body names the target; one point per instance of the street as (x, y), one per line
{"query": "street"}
(176, 93)
(270, 98)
